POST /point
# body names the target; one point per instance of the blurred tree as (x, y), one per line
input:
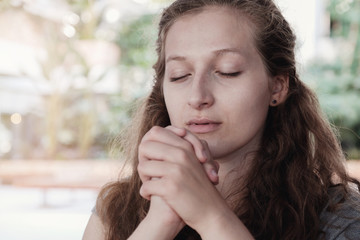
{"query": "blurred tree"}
(137, 41)
(338, 81)
(70, 113)
(64, 67)
(78, 117)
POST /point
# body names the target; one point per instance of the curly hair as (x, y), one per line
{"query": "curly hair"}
(298, 160)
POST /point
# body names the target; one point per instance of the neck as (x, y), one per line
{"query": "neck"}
(233, 170)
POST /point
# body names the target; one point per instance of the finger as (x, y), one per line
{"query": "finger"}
(157, 187)
(152, 150)
(209, 159)
(164, 145)
(211, 171)
(211, 167)
(165, 135)
(203, 154)
(181, 132)
(198, 146)
(195, 142)
(170, 136)
(147, 190)
(206, 151)
(152, 170)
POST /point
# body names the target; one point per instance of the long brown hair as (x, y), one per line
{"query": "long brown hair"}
(299, 158)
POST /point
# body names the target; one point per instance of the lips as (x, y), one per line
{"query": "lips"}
(203, 125)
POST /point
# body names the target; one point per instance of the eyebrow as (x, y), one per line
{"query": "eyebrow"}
(216, 53)
(175, 58)
(229, 50)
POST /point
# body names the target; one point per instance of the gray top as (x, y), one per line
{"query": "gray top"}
(344, 221)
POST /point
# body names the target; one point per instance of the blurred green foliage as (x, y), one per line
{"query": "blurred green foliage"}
(137, 41)
(337, 82)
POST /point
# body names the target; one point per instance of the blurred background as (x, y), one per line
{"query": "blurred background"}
(71, 72)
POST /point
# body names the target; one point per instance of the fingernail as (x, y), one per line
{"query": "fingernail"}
(214, 173)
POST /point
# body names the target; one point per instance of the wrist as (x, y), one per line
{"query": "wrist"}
(169, 226)
(224, 224)
(153, 229)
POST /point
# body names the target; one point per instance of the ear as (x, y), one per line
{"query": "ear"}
(279, 89)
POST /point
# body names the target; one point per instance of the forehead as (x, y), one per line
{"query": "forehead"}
(212, 28)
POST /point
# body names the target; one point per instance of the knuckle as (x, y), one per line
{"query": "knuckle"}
(182, 155)
(142, 147)
(155, 130)
(143, 150)
(141, 173)
(139, 167)
(143, 192)
(187, 146)
(140, 157)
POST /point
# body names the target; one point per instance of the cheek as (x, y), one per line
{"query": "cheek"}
(247, 102)
(173, 109)
(248, 113)
(253, 113)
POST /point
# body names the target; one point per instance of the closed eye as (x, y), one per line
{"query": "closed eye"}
(174, 79)
(232, 74)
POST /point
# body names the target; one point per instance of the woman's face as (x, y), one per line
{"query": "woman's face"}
(215, 83)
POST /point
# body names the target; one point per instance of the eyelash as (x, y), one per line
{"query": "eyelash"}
(178, 78)
(233, 74)
(228, 75)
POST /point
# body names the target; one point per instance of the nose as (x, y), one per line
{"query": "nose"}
(201, 93)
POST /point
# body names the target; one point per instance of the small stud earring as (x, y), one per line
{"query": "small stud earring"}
(274, 101)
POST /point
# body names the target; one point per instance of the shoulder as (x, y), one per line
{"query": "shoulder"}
(343, 220)
(109, 210)
(111, 193)
(94, 229)
(120, 208)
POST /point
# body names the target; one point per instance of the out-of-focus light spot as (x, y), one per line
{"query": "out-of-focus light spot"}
(16, 118)
(112, 15)
(71, 18)
(5, 147)
(69, 31)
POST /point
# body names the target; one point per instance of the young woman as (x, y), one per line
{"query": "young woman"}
(230, 144)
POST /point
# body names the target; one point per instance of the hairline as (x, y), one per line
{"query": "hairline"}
(241, 14)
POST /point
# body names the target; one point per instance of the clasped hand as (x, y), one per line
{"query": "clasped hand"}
(178, 175)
